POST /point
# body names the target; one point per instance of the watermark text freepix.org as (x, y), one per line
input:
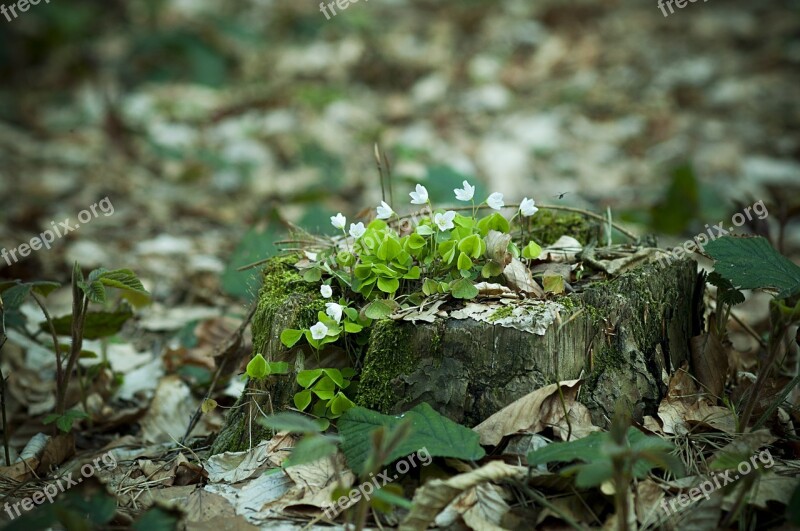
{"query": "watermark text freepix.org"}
(51, 490)
(48, 236)
(717, 481)
(701, 240)
(22, 5)
(341, 4)
(664, 4)
(366, 489)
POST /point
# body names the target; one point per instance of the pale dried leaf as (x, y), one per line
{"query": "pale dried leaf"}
(532, 413)
(710, 362)
(519, 278)
(436, 494)
(232, 467)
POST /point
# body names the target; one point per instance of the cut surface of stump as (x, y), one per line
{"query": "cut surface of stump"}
(622, 336)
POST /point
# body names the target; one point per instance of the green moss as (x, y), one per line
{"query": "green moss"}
(387, 357)
(548, 225)
(282, 281)
(501, 313)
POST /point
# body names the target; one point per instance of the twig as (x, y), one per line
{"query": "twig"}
(59, 368)
(3, 384)
(231, 346)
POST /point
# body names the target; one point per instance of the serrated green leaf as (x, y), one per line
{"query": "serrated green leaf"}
(291, 422)
(440, 436)
(97, 324)
(311, 448)
(752, 263)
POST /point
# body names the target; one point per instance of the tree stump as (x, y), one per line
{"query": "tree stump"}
(622, 335)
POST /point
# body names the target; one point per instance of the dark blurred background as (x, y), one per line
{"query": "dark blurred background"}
(209, 125)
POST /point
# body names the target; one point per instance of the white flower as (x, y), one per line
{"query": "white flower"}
(357, 230)
(319, 331)
(420, 197)
(466, 193)
(495, 201)
(527, 207)
(311, 256)
(338, 221)
(326, 291)
(334, 311)
(384, 211)
(445, 221)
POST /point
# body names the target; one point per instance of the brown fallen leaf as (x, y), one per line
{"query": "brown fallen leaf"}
(536, 411)
(710, 362)
(430, 499)
(519, 278)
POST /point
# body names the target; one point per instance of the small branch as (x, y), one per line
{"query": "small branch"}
(54, 336)
(3, 385)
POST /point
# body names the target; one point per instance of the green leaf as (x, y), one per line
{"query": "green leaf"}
(464, 263)
(473, 246)
(430, 286)
(157, 519)
(311, 448)
(447, 250)
(340, 403)
(94, 290)
(291, 422)
(388, 285)
(302, 400)
(352, 328)
(380, 309)
(491, 269)
(335, 375)
(424, 230)
(440, 436)
(463, 288)
(15, 295)
(593, 474)
(43, 287)
(97, 324)
(325, 388)
(308, 377)
(553, 283)
(494, 221)
(313, 274)
(388, 249)
(531, 251)
(257, 368)
(413, 273)
(278, 367)
(726, 292)
(290, 337)
(752, 263)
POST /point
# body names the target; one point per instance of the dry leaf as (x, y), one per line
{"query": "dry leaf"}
(710, 362)
(519, 278)
(436, 494)
(536, 411)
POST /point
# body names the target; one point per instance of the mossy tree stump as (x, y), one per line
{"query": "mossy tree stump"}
(621, 335)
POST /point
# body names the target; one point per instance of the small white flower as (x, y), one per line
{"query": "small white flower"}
(326, 291)
(357, 230)
(319, 331)
(527, 207)
(420, 197)
(334, 311)
(445, 221)
(338, 221)
(385, 211)
(311, 256)
(495, 201)
(466, 193)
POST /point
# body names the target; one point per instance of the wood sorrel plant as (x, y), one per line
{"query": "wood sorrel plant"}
(445, 252)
